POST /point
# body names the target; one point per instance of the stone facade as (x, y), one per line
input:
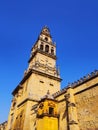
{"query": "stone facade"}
(77, 104)
(73, 108)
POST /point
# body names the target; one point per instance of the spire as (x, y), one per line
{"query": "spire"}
(46, 31)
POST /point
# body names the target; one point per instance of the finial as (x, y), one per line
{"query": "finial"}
(45, 29)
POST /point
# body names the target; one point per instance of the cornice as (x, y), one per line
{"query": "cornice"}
(27, 99)
(77, 83)
(35, 72)
(42, 52)
(48, 115)
(46, 75)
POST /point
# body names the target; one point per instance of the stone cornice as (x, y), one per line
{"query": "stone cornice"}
(44, 99)
(85, 79)
(49, 115)
(42, 52)
(46, 75)
(27, 99)
(35, 72)
(77, 83)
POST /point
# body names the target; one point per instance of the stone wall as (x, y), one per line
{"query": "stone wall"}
(78, 104)
(87, 109)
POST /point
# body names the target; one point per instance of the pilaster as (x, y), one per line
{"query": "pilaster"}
(72, 111)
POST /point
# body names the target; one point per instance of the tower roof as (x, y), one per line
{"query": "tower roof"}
(46, 31)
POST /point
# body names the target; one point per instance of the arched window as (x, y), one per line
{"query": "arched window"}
(46, 48)
(52, 50)
(46, 39)
(41, 46)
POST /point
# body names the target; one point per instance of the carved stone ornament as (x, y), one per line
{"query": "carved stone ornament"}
(67, 96)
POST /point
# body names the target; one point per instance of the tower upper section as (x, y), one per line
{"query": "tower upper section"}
(44, 44)
(43, 54)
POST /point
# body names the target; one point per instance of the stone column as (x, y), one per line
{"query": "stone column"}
(72, 112)
(43, 47)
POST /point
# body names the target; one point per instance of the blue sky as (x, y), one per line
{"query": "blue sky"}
(74, 28)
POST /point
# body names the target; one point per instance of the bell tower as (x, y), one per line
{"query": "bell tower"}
(42, 63)
(43, 54)
(41, 75)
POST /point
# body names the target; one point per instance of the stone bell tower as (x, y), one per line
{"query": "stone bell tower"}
(42, 62)
(40, 76)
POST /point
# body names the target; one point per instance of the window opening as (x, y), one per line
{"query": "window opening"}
(41, 47)
(41, 81)
(46, 48)
(46, 39)
(52, 51)
(51, 84)
(51, 110)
